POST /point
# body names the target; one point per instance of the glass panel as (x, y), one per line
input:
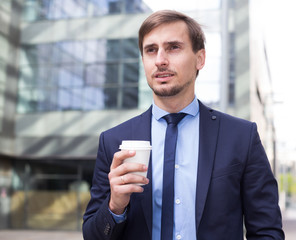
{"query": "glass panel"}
(131, 72)
(130, 48)
(49, 100)
(130, 97)
(69, 76)
(36, 10)
(95, 51)
(29, 99)
(111, 77)
(110, 97)
(95, 75)
(43, 8)
(113, 49)
(114, 6)
(67, 9)
(42, 76)
(93, 98)
(68, 52)
(64, 77)
(64, 99)
(79, 75)
(30, 10)
(77, 97)
(24, 96)
(97, 7)
(134, 6)
(36, 54)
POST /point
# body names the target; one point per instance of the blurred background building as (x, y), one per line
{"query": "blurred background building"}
(70, 69)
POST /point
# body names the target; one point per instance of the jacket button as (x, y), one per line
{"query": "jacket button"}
(107, 229)
(214, 117)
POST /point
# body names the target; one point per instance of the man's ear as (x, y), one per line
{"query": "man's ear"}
(201, 58)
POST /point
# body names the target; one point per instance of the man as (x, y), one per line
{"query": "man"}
(222, 177)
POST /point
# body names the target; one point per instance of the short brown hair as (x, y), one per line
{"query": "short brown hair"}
(196, 34)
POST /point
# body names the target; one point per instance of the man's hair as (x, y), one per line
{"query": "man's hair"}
(158, 18)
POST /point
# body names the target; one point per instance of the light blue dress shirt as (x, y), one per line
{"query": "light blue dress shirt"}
(186, 164)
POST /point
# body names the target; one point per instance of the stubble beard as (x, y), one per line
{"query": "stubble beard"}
(170, 91)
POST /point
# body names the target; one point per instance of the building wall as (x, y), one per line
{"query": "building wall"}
(242, 56)
(9, 42)
(261, 83)
(50, 155)
(74, 133)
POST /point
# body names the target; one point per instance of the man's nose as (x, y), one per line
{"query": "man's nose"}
(161, 58)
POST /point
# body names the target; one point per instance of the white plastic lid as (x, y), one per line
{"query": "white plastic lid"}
(135, 144)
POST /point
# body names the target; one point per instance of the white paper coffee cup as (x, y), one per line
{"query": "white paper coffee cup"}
(142, 148)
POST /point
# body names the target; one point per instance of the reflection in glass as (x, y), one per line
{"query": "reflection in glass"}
(130, 97)
(79, 75)
(113, 49)
(112, 74)
(95, 51)
(130, 70)
(36, 10)
(129, 50)
(95, 75)
(93, 98)
(110, 97)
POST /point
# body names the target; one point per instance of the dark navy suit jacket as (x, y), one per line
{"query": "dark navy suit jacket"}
(235, 184)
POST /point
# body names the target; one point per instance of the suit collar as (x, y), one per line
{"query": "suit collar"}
(208, 136)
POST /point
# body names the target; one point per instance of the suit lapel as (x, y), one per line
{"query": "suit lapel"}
(208, 135)
(141, 130)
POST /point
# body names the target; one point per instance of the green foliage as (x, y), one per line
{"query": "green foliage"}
(287, 182)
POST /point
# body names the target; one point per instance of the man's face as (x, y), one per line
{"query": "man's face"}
(169, 62)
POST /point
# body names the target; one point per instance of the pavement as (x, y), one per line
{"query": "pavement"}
(39, 235)
(289, 225)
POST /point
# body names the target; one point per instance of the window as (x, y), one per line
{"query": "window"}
(36, 10)
(79, 75)
(232, 75)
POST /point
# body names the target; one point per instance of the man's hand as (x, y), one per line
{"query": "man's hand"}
(123, 181)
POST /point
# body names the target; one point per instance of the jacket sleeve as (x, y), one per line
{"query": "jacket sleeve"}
(98, 222)
(260, 194)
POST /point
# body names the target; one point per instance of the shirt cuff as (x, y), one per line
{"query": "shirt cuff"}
(118, 218)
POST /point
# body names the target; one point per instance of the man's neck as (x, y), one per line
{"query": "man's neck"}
(172, 104)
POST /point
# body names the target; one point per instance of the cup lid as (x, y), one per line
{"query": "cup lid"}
(135, 144)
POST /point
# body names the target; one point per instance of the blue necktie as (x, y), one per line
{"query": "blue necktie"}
(167, 216)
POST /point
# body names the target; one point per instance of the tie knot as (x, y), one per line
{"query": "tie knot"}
(174, 118)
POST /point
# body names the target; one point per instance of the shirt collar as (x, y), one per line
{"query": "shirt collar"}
(191, 109)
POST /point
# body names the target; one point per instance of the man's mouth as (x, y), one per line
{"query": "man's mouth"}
(163, 75)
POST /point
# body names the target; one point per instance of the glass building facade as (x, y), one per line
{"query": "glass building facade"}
(79, 75)
(83, 75)
(38, 10)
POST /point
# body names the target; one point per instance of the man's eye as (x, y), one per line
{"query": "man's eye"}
(150, 50)
(174, 47)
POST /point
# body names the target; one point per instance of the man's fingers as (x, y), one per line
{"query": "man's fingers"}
(120, 156)
(132, 179)
(130, 167)
(127, 189)
(127, 178)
